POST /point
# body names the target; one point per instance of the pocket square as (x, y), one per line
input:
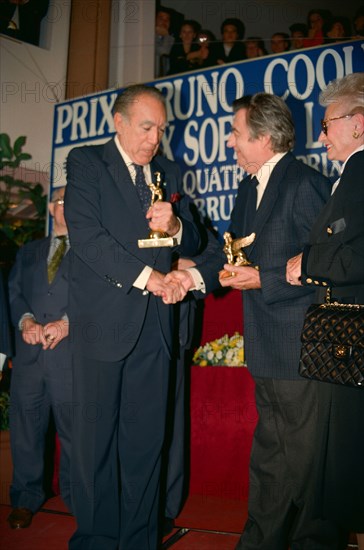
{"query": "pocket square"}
(336, 226)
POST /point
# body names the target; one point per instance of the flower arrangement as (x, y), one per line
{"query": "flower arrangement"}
(225, 351)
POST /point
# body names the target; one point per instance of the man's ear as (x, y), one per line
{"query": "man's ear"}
(265, 140)
(118, 122)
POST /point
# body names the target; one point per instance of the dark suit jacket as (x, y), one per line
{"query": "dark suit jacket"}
(105, 221)
(178, 58)
(30, 292)
(273, 315)
(335, 254)
(237, 52)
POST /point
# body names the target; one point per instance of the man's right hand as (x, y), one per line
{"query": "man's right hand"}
(184, 278)
(171, 292)
(33, 333)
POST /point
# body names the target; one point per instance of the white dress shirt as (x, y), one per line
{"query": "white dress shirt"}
(264, 174)
(142, 279)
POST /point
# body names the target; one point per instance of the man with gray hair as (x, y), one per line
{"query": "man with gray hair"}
(121, 308)
(277, 203)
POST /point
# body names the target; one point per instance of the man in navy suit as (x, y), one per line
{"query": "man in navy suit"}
(41, 374)
(289, 196)
(278, 201)
(122, 318)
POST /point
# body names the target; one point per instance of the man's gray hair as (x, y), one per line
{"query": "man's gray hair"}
(131, 95)
(267, 114)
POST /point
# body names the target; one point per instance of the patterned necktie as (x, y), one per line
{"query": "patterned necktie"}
(57, 257)
(251, 205)
(142, 188)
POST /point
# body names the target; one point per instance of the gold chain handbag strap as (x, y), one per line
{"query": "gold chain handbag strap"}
(337, 305)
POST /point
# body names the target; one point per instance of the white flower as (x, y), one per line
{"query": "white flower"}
(222, 351)
(229, 354)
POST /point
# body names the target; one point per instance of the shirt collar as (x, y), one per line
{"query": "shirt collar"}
(129, 163)
(265, 171)
(264, 174)
(54, 236)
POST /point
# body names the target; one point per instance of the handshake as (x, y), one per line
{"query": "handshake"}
(173, 286)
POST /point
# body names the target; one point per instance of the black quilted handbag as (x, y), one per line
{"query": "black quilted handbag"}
(333, 343)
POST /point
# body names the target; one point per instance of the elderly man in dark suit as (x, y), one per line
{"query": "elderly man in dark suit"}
(284, 197)
(278, 202)
(121, 312)
(41, 375)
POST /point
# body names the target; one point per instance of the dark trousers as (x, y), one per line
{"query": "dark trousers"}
(117, 443)
(341, 484)
(178, 429)
(282, 473)
(35, 390)
(176, 439)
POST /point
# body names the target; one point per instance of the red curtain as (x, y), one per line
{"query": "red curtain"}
(223, 314)
(223, 419)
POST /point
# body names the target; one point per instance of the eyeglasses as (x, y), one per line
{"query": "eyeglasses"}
(325, 121)
(59, 201)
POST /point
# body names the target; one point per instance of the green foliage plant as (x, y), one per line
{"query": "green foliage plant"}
(18, 230)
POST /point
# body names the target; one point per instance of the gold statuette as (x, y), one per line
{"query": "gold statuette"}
(156, 238)
(234, 250)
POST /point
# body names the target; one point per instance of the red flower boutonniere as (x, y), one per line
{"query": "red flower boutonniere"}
(175, 197)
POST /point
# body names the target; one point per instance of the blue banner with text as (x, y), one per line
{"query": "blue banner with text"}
(200, 114)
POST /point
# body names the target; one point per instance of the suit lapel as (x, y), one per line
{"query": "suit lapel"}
(270, 197)
(121, 176)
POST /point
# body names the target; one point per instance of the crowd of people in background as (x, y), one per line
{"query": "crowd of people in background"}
(191, 46)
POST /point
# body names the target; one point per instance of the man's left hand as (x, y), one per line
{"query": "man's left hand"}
(161, 217)
(242, 277)
(55, 332)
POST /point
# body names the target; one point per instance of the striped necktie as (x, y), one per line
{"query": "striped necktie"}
(57, 257)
